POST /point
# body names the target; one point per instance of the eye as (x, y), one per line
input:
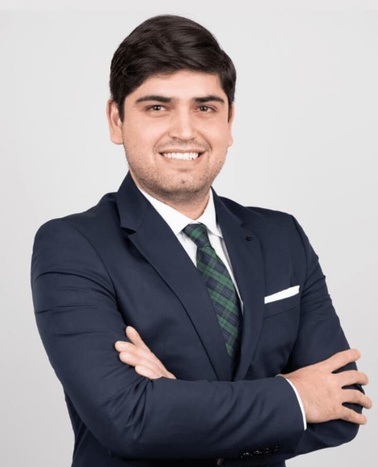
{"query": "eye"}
(155, 108)
(206, 109)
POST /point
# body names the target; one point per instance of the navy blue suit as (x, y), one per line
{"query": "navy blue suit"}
(119, 263)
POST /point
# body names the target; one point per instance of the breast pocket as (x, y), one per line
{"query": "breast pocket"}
(279, 333)
(281, 306)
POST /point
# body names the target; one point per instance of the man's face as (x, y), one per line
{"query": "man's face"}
(176, 132)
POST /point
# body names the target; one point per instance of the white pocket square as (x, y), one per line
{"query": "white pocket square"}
(286, 293)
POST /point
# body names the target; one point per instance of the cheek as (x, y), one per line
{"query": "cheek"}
(141, 136)
(134, 140)
(220, 143)
(220, 135)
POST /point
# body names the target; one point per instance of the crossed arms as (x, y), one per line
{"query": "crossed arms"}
(320, 388)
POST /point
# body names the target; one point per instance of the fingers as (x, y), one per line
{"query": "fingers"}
(147, 366)
(340, 359)
(137, 354)
(150, 373)
(351, 416)
(347, 378)
(146, 372)
(145, 362)
(353, 396)
(135, 338)
(133, 355)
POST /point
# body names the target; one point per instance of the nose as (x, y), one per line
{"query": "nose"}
(183, 125)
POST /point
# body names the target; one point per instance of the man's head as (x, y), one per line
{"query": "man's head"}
(165, 44)
(172, 109)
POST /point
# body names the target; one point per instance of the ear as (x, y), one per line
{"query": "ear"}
(114, 122)
(231, 117)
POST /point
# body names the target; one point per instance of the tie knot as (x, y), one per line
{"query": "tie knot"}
(197, 233)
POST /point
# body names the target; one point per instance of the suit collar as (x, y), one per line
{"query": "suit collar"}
(132, 205)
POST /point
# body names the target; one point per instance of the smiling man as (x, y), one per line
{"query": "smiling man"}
(176, 132)
(233, 353)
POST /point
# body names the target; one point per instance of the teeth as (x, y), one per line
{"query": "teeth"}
(186, 156)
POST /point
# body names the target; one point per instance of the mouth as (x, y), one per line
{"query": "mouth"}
(182, 156)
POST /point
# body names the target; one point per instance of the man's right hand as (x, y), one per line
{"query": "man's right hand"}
(321, 389)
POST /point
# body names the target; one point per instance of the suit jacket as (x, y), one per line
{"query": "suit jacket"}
(119, 263)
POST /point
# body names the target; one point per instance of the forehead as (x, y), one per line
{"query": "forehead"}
(183, 84)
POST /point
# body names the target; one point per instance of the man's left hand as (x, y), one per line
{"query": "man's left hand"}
(136, 354)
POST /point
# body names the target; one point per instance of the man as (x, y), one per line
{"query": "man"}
(234, 355)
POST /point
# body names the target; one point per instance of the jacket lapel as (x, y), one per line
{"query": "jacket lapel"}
(157, 243)
(246, 258)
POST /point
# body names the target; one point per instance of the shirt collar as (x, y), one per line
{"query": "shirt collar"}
(178, 221)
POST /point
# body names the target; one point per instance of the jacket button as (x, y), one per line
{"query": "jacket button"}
(259, 452)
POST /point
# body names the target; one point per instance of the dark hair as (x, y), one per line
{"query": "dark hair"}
(165, 44)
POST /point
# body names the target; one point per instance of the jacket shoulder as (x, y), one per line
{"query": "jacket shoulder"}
(90, 221)
(269, 225)
(257, 214)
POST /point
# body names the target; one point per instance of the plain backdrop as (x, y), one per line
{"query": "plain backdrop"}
(305, 142)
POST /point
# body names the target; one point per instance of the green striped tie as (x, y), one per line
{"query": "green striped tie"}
(220, 286)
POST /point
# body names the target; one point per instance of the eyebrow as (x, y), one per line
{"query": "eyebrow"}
(165, 100)
(153, 97)
(210, 98)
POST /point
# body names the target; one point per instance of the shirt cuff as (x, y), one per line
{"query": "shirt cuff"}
(300, 403)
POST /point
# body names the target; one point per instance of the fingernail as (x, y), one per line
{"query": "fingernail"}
(121, 345)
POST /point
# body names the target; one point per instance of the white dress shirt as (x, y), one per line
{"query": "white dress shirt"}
(178, 221)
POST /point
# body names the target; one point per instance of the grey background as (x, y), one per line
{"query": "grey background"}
(305, 142)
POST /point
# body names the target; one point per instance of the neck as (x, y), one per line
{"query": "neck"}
(194, 210)
(191, 204)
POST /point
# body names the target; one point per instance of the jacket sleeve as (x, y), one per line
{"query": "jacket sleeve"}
(320, 335)
(78, 320)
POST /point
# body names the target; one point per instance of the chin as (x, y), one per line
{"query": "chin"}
(184, 191)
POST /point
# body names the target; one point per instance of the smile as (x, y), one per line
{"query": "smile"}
(183, 156)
